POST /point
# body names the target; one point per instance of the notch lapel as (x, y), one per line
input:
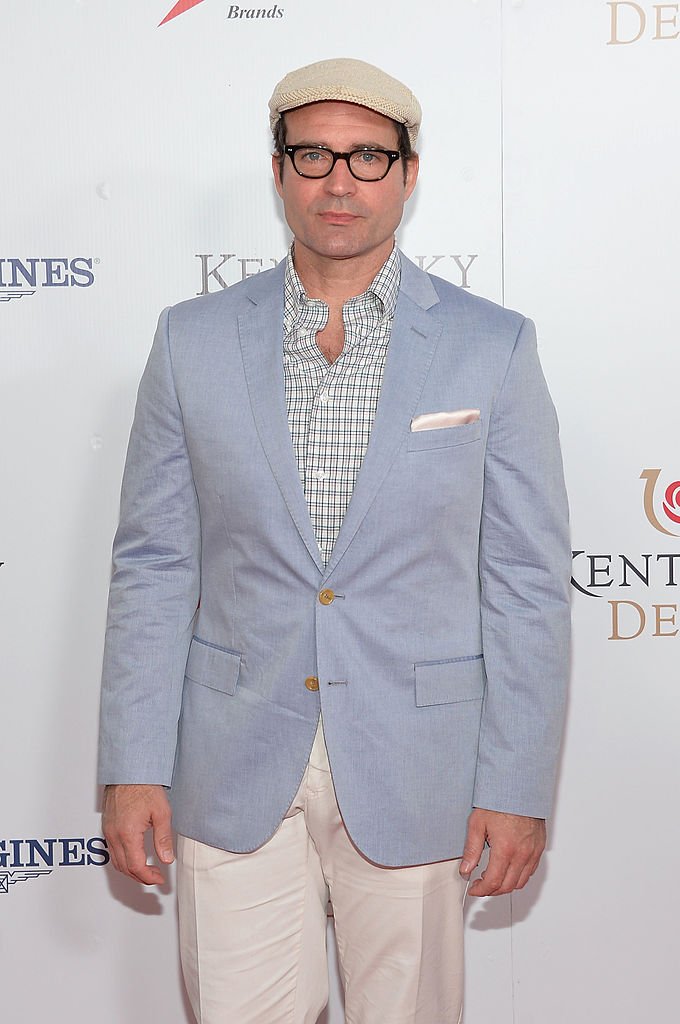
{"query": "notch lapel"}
(261, 336)
(413, 341)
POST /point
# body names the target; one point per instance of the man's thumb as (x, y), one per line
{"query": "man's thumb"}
(163, 844)
(162, 837)
(474, 844)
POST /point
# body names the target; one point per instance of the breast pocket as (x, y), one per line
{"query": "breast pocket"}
(213, 666)
(444, 437)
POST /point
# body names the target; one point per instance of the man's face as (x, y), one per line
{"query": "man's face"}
(338, 217)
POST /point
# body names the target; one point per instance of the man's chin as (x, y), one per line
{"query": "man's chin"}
(339, 248)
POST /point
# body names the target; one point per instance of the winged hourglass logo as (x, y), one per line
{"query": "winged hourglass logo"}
(8, 878)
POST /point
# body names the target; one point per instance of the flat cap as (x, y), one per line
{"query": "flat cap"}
(351, 81)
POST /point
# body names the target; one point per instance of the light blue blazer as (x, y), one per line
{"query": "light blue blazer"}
(442, 657)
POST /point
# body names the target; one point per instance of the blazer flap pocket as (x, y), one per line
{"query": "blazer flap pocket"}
(213, 666)
(444, 437)
(447, 682)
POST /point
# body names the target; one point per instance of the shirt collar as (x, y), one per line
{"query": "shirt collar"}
(384, 288)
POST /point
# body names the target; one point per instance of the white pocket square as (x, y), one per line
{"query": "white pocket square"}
(437, 420)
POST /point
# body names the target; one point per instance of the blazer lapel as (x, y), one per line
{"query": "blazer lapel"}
(413, 341)
(261, 332)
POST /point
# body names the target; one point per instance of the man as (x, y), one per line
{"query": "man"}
(262, 625)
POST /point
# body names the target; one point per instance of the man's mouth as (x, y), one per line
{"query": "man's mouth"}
(338, 217)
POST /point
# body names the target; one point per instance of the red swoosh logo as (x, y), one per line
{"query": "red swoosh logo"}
(180, 8)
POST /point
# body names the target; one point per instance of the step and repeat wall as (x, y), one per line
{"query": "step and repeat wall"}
(135, 174)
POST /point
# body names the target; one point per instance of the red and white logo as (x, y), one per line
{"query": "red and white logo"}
(180, 8)
(669, 507)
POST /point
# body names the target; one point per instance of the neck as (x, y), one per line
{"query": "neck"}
(336, 280)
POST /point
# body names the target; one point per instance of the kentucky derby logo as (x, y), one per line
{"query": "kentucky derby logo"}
(669, 511)
(641, 588)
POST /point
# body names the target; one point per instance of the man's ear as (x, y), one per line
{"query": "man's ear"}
(276, 171)
(412, 168)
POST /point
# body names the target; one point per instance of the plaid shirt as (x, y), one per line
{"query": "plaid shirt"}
(331, 406)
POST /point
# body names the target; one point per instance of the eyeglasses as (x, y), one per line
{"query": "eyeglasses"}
(364, 164)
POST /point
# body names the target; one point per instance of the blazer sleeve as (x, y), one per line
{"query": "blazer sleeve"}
(155, 586)
(525, 567)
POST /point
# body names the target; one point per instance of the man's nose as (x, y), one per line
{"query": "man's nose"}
(340, 181)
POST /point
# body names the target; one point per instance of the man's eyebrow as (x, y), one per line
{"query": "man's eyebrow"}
(355, 145)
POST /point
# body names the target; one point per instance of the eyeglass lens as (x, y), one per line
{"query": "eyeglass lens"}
(365, 164)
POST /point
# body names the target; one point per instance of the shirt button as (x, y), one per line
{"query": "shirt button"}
(319, 474)
(323, 397)
(312, 683)
(326, 597)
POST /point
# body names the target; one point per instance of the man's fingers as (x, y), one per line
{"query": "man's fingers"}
(114, 853)
(505, 873)
(128, 857)
(517, 874)
(527, 872)
(516, 843)
(148, 875)
(491, 881)
(135, 862)
(128, 812)
(499, 883)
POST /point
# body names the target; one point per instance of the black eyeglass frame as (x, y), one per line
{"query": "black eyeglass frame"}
(392, 155)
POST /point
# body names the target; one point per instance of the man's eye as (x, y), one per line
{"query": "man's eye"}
(366, 157)
(313, 156)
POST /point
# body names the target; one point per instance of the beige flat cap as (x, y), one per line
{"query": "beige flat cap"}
(352, 81)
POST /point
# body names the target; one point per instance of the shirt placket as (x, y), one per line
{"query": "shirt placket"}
(323, 467)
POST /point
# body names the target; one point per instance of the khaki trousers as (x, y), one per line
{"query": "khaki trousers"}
(253, 925)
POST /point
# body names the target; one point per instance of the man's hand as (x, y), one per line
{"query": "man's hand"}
(128, 812)
(516, 843)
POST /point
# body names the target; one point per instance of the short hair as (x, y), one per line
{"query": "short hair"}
(403, 142)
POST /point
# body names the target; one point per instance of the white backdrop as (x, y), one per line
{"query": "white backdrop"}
(135, 162)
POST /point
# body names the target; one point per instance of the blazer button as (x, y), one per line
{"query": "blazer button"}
(326, 597)
(312, 683)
